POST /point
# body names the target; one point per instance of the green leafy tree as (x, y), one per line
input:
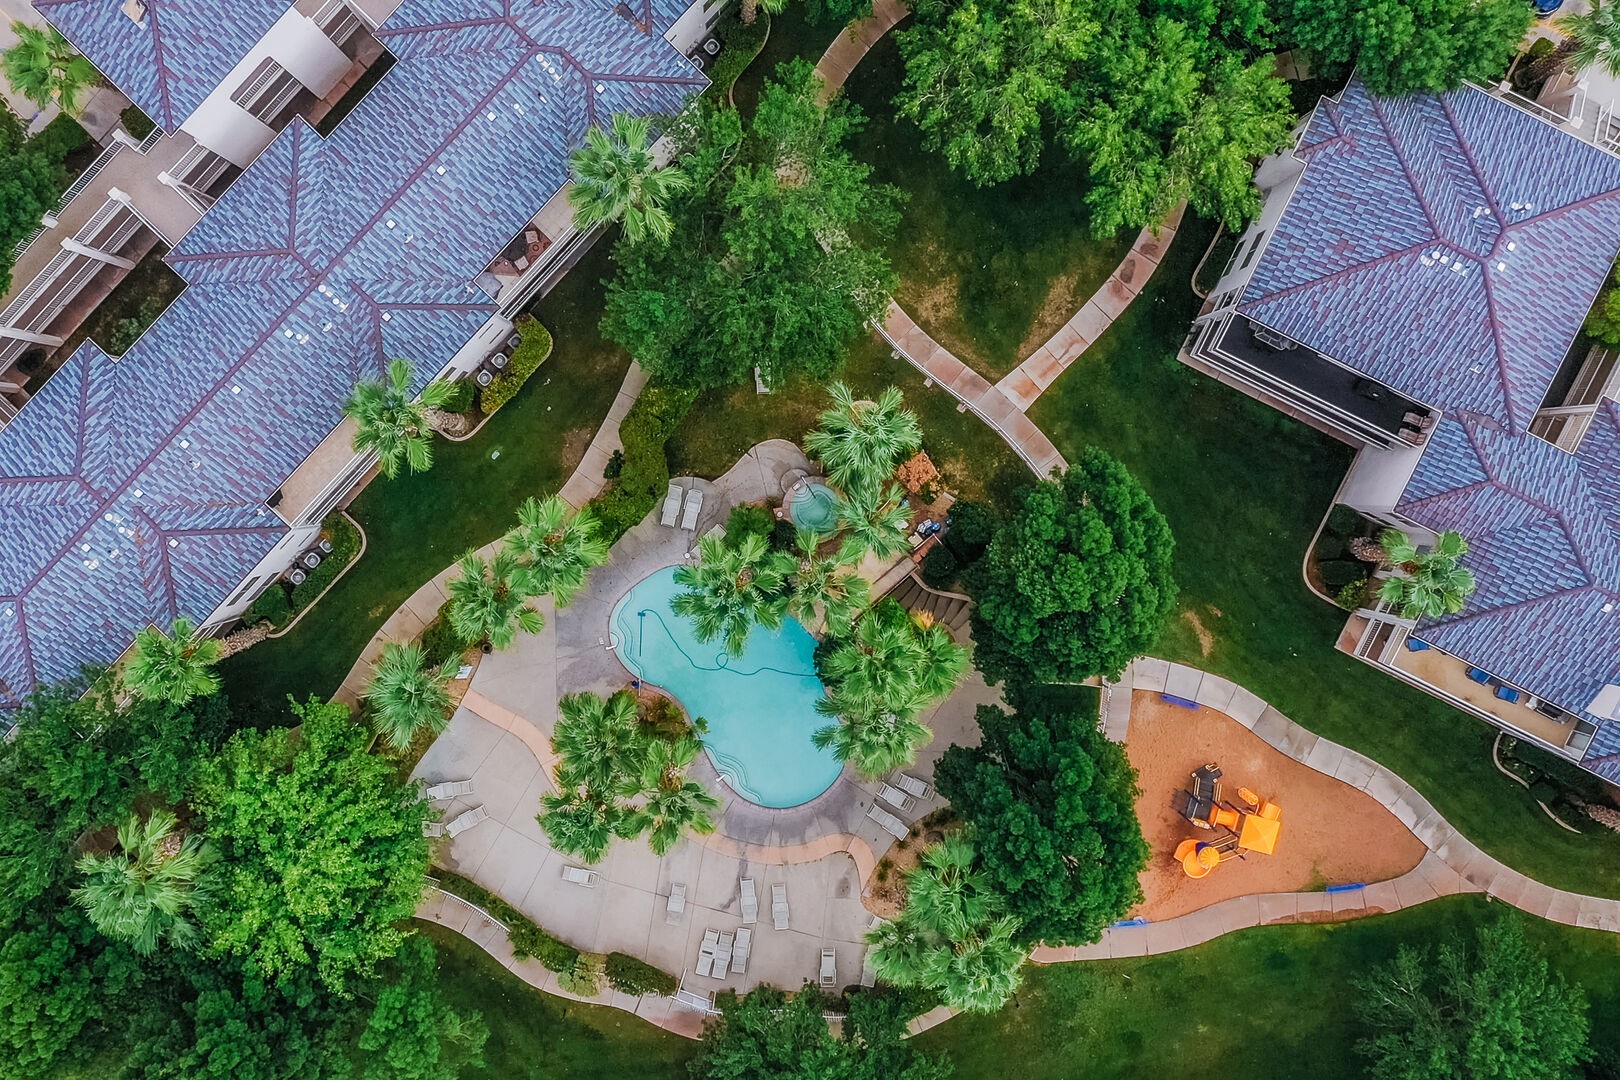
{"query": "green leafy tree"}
(672, 805)
(148, 888)
(30, 182)
(412, 1033)
(875, 520)
(1432, 583)
(323, 857)
(616, 178)
(1497, 1011)
(1051, 802)
(44, 68)
(824, 585)
(489, 601)
(173, 667)
(1603, 321)
(859, 443)
(557, 547)
(1399, 46)
(407, 695)
(733, 588)
(1077, 580)
(1591, 38)
(393, 423)
(781, 264)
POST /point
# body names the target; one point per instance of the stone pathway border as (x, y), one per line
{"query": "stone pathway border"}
(411, 617)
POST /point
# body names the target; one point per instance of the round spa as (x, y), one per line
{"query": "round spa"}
(813, 505)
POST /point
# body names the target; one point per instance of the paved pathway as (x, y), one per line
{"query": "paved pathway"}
(852, 45)
(1023, 385)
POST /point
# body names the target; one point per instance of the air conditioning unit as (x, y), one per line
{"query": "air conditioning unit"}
(499, 361)
(484, 378)
(296, 576)
(325, 545)
(311, 559)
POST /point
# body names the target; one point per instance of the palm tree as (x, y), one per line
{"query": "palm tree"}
(1431, 583)
(616, 179)
(876, 519)
(557, 547)
(983, 969)
(488, 603)
(751, 9)
(874, 745)
(407, 696)
(582, 822)
(825, 584)
(1591, 38)
(393, 424)
(860, 442)
(947, 894)
(43, 67)
(892, 663)
(175, 667)
(733, 587)
(598, 741)
(673, 804)
(149, 889)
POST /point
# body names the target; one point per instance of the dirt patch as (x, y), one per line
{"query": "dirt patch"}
(1206, 640)
(575, 443)
(1332, 834)
(1057, 308)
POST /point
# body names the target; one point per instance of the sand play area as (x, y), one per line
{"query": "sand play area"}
(1331, 834)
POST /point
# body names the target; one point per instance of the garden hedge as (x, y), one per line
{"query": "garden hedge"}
(629, 975)
(526, 360)
(528, 939)
(137, 123)
(273, 606)
(743, 43)
(644, 479)
(345, 540)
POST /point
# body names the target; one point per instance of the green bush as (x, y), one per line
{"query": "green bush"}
(439, 639)
(824, 648)
(785, 536)
(642, 482)
(615, 465)
(526, 360)
(462, 395)
(137, 123)
(971, 527)
(939, 567)
(629, 975)
(528, 940)
(743, 43)
(1545, 791)
(126, 331)
(1340, 572)
(273, 606)
(1351, 596)
(749, 518)
(345, 539)
(584, 978)
(59, 138)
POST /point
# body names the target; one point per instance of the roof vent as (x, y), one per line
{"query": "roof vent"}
(135, 10)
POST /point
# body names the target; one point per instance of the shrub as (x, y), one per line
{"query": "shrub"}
(629, 975)
(743, 43)
(1350, 597)
(137, 123)
(785, 536)
(462, 397)
(645, 477)
(971, 527)
(1338, 573)
(1545, 791)
(824, 648)
(585, 977)
(273, 606)
(528, 939)
(939, 567)
(614, 467)
(59, 138)
(439, 639)
(345, 540)
(126, 331)
(526, 360)
(749, 518)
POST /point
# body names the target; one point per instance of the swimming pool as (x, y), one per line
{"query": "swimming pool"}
(761, 706)
(813, 505)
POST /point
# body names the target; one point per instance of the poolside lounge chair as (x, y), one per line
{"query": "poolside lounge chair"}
(578, 875)
(432, 829)
(465, 821)
(750, 901)
(1416, 644)
(779, 905)
(829, 969)
(722, 955)
(694, 505)
(913, 786)
(896, 798)
(705, 960)
(677, 903)
(890, 824)
(1479, 675)
(739, 952)
(450, 789)
(672, 507)
(1507, 694)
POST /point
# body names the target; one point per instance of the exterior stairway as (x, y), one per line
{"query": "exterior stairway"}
(949, 609)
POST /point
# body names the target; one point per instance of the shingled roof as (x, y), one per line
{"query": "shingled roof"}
(133, 490)
(1450, 246)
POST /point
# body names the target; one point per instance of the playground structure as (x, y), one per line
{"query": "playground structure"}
(1250, 826)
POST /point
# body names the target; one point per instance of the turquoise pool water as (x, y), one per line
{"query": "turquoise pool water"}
(814, 506)
(761, 706)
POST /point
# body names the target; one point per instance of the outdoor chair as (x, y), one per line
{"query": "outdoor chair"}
(722, 955)
(672, 507)
(694, 505)
(1479, 675)
(450, 789)
(913, 786)
(578, 875)
(888, 822)
(465, 821)
(1507, 694)
(739, 952)
(829, 969)
(750, 901)
(432, 829)
(705, 960)
(779, 905)
(677, 903)
(896, 798)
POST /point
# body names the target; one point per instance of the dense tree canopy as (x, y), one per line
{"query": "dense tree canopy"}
(1497, 1011)
(763, 269)
(1051, 804)
(1077, 580)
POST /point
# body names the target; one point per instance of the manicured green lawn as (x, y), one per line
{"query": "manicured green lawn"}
(991, 272)
(1271, 1002)
(535, 1036)
(417, 525)
(723, 424)
(1244, 488)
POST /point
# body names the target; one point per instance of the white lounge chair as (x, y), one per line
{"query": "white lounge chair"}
(739, 952)
(890, 824)
(694, 505)
(722, 955)
(450, 789)
(465, 821)
(779, 905)
(672, 507)
(913, 786)
(578, 875)
(829, 969)
(896, 798)
(432, 829)
(750, 901)
(705, 960)
(677, 903)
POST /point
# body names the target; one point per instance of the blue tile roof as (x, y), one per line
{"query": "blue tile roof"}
(1450, 246)
(132, 491)
(175, 57)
